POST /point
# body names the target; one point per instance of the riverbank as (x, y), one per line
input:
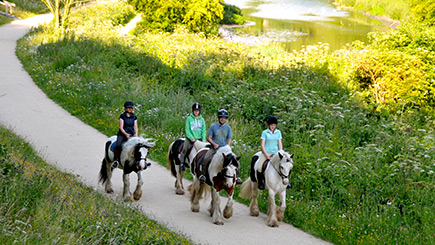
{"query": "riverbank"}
(383, 18)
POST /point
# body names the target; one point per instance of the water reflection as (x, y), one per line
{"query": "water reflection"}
(297, 23)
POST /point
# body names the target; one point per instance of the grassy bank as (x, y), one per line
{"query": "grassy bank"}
(40, 205)
(363, 173)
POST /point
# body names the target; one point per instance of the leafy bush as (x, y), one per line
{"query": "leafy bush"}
(196, 15)
(424, 11)
(232, 15)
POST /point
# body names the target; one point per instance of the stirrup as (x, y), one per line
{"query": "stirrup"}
(289, 186)
(202, 179)
(115, 164)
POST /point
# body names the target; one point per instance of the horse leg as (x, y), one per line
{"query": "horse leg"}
(271, 210)
(253, 207)
(228, 211)
(215, 208)
(179, 183)
(126, 193)
(108, 186)
(137, 194)
(280, 210)
(194, 189)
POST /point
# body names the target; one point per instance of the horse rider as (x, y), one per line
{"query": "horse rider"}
(219, 134)
(127, 128)
(271, 143)
(195, 130)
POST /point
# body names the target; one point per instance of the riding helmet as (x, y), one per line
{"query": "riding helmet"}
(128, 104)
(222, 113)
(196, 106)
(272, 120)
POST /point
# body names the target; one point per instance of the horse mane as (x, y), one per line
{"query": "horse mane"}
(276, 159)
(132, 142)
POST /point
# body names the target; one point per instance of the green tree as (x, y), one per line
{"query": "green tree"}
(60, 17)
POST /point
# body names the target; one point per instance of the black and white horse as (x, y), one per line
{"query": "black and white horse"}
(220, 175)
(174, 160)
(276, 176)
(133, 159)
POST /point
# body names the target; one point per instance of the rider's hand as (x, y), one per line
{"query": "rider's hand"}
(216, 146)
(193, 140)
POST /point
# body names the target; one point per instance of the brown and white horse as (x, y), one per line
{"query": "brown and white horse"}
(276, 179)
(133, 159)
(174, 160)
(221, 175)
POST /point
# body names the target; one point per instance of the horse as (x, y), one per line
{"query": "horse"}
(276, 176)
(174, 160)
(221, 175)
(133, 159)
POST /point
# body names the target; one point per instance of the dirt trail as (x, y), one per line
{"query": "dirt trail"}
(72, 146)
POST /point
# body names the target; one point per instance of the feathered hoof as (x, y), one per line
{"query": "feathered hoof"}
(110, 191)
(137, 196)
(195, 208)
(218, 222)
(273, 223)
(228, 212)
(179, 191)
(254, 212)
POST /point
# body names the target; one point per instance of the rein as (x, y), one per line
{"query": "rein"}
(279, 172)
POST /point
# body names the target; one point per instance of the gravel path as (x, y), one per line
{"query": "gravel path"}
(72, 146)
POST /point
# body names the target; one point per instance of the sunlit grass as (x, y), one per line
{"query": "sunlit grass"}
(361, 175)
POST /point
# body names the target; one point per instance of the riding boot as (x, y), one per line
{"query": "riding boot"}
(182, 159)
(117, 154)
(260, 180)
(202, 176)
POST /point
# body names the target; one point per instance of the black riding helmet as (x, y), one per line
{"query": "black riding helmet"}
(128, 104)
(222, 113)
(196, 106)
(272, 120)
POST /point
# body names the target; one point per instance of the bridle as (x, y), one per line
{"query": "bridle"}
(283, 176)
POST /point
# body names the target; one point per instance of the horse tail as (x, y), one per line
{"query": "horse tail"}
(103, 170)
(171, 161)
(246, 189)
(198, 190)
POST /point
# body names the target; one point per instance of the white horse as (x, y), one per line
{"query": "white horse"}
(174, 160)
(276, 177)
(133, 159)
(221, 174)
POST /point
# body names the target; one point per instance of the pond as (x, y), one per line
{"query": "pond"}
(298, 23)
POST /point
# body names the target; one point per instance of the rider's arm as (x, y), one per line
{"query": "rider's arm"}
(229, 140)
(209, 139)
(279, 144)
(263, 148)
(188, 130)
(121, 127)
(135, 128)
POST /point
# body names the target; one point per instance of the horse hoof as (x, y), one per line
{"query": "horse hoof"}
(137, 197)
(195, 209)
(110, 191)
(219, 222)
(273, 224)
(179, 192)
(254, 213)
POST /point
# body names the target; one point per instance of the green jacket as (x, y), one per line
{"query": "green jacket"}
(195, 128)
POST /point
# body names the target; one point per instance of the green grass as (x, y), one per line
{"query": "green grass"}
(40, 205)
(363, 173)
(396, 9)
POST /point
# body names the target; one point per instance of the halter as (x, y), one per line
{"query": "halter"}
(283, 176)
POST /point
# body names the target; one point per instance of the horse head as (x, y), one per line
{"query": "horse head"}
(230, 167)
(141, 153)
(282, 162)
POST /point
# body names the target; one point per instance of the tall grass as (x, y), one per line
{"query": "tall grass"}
(40, 205)
(360, 176)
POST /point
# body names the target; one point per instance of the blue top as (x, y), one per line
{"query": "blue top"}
(128, 122)
(220, 134)
(271, 139)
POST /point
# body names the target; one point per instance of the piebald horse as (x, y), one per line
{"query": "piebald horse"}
(133, 159)
(276, 177)
(221, 175)
(174, 160)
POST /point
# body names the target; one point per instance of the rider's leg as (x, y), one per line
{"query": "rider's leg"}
(260, 180)
(120, 139)
(205, 163)
(183, 153)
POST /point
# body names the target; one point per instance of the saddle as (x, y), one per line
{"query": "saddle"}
(180, 149)
(253, 170)
(198, 162)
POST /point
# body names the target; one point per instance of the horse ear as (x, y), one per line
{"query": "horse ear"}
(225, 157)
(280, 155)
(291, 156)
(238, 158)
